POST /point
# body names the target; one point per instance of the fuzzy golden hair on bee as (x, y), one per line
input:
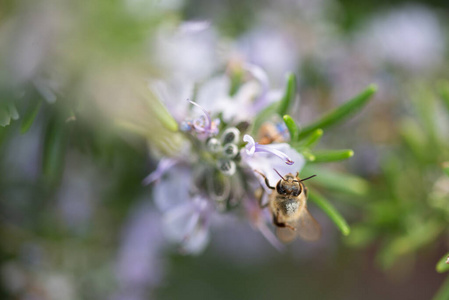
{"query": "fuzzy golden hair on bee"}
(288, 207)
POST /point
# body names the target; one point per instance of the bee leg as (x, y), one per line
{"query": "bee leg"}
(283, 225)
(259, 196)
(266, 179)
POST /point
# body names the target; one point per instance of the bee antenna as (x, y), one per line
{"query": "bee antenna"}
(307, 178)
(279, 174)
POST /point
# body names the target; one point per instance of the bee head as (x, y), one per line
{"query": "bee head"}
(289, 185)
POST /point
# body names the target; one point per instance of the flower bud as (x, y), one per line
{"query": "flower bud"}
(213, 145)
(230, 150)
(230, 135)
(226, 166)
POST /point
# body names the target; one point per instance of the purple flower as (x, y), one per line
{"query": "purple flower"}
(185, 218)
(253, 147)
(164, 165)
(252, 96)
(204, 125)
(260, 158)
(188, 224)
(140, 266)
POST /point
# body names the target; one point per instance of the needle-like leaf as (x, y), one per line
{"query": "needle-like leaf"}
(330, 210)
(340, 112)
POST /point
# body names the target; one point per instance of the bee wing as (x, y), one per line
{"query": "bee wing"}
(307, 227)
(286, 235)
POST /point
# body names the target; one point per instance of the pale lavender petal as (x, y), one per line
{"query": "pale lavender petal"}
(205, 113)
(140, 265)
(197, 241)
(187, 225)
(164, 165)
(194, 26)
(174, 189)
(264, 162)
(177, 222)
(172, 93)
(250, 147)
(261, 76)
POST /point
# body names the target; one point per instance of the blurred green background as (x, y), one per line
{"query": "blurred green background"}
(76, 125)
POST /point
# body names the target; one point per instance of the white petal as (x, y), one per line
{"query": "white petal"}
(197, 241)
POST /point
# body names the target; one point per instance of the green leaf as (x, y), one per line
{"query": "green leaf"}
(443, 292)
(341, 112)
(312, 139)
(338, 181)
(422, 234)
(360, 236)
(443, 91)
(442, 265)
(332, 155)
(329, 209)
(289, 95)
(307, 155)
(5, 119)
(446, 168)
(29, 117)
(13, 111)
(414, 137)
(164, 116)
(54, 150)
(8, 112)
(423, 100)
(291, 126)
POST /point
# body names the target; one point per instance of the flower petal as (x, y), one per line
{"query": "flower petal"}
(265, 163)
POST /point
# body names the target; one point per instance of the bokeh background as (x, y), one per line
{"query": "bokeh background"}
(76, 141)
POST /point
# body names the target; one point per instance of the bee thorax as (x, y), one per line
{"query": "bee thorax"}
(290, 207)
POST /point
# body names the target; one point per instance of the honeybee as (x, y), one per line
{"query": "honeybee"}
(269, 133)
(288, 206)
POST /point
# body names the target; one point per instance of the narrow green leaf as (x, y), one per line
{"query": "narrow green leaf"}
(443, 292)
(340, 112)
(291, 126)
(312, 139)
(289, 96)
(332, 155)
(164, 116)
(446, 168)
(30, 116)
(54, 150)
(442, 265)
(338, 181)
(307, 155)
(360, 236)
(422, 234)
(424, 102)
(414, 137)
(13, 113)
(5, 118)
(330, 210)
(443, 91)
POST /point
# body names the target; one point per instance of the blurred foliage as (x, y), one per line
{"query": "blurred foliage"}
(408, 207)
(78, 117)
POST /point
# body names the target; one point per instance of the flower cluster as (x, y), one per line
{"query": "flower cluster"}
(217, 171)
